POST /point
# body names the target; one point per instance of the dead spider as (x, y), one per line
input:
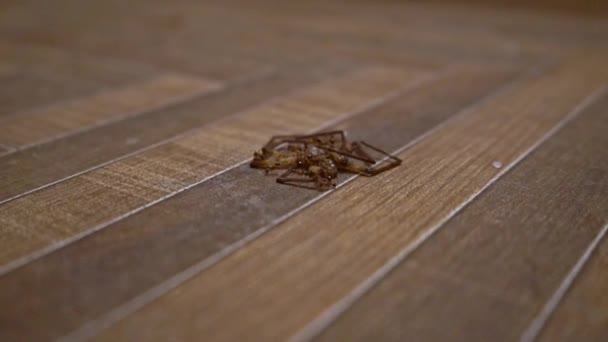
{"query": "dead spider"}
(314, 161)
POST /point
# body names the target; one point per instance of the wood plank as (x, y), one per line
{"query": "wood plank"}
(259, 35)
(204, 220)
(6, 69)
(583, 313)
(161, 49)
(48, 219)
(49, 123)
(488, 272)
(42, 77)
(5, 150)
(32, 88)
(317, 257)
(28, 170)
(140, 49)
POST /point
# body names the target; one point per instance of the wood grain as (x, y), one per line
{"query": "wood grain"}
(51, 122)
(36, 167)
(259, 35)
(321, 30)
(583, 313)
(47, 219)
(316, 258)
(237, 257)
(133, 253)
(149, 35)
(134, 39)
(488, 272)
(5, 150)
(40, 77)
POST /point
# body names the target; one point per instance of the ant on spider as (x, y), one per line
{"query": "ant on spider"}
(314, 161)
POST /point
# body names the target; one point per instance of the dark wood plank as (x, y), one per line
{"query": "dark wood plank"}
(36, 224)
(258, 36)
(53, 122)
(311, 29)
(30, 169)
(583, 313)
(138, 253)
(318, 257)
(591, 8)
(37, 77)
(171, 38)
(5, 150)
(487, 273)
(55, 52)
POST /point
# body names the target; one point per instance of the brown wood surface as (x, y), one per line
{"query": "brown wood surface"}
(128, 211)
(35, 77)
(46, 219)
(582, 314)
(403, 119)
(487, 273)
(52, 122)
(336, 250)
(25, 171)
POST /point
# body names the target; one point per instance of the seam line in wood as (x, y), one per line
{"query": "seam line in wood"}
(204, 87)
(412, 84)
(99, 92)
(253, 78)
(93, 327)
(7, 150)
(538, 323)
(324, 320)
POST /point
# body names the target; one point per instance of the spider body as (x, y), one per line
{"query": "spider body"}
(314, 161)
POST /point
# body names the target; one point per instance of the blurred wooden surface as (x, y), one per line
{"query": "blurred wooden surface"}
(595, 8)
(128, 210)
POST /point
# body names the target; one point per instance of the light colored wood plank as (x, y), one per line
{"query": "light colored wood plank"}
(52, 122)
(47, 219)
(275, 285)
(34, 168)
(583, 313)
(488, 272)
(129, 258)
(43, 77)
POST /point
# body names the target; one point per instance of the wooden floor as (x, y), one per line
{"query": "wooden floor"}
(128, 211)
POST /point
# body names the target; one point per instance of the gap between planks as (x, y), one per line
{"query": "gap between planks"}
(179, 133)
(389, 126)
(251, 78)
(489, 270)
(405, 80)
(539, 322)
(331, 314)
(91, 328)
(577, 97)
(57, 121)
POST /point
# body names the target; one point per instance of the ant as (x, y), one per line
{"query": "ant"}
(314, 161)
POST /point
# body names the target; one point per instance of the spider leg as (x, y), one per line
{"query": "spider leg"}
(316, 138)
(278, 140)
(348, 154)
(295, 181)
(358, 150)
(374, 169)
(395, 159)
(313, 139)
(369, 171)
